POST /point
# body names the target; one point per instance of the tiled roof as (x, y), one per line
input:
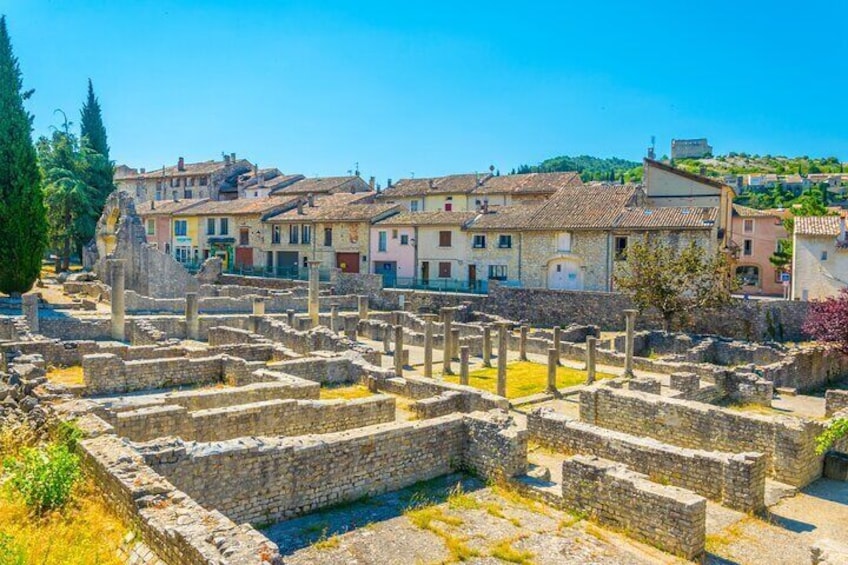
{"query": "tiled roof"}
(166, 207)
(341, 207)
(531, 183)
(324, 185)
(746, 212)
(190, 169)
(585, 207)
(505, 218)
(817, 225)
(435, 218)
(667, 217)
(242, 206)
(451, 184)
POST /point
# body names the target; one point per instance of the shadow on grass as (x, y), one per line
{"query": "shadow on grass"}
(298, 533)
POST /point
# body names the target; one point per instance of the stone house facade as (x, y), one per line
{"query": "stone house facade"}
(755, 238)
(334, 229)
(820, 257)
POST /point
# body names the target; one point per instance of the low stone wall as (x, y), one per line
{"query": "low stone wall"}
(175, 527)
(808, 368)
(670, 518)
(734, 480)
(787, 443)
(70, 327)
(835, 401)
(277, 417)
(436, 398)
(261, 480)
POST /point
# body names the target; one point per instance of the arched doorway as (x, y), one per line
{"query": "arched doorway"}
(565, 274)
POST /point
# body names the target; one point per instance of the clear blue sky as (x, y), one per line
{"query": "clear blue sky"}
(438, 87)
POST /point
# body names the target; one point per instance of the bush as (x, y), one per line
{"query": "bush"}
(835, 431)
(44, 477)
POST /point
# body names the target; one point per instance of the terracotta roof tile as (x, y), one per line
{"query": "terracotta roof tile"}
(588, 207)
(240, 207)
(341, 207)
(505, 218)
(667, 217)
(817, 225)
(746, 212)
(435, 218)
(167, 207)
(451, 184)
(204, 167)
(323, 185)
(531, 183)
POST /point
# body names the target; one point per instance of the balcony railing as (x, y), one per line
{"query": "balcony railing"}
(442, 285)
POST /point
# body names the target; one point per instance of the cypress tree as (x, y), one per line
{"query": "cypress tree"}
(99, 171)
(22, 222)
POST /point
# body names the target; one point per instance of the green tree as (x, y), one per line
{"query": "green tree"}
(675, 281)
(71, 216)
(22, 221)
(99, 171)
(782, 257)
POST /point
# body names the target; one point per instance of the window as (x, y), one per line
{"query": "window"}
(180, 227)
(564, 241)
(444, 239)
(225, 226)
(158, 185)
(328, 237)
(203, 181)
(448, 206)
(497, 272)
(175, 182)
(269, 260)
(620, 249)
(210, 226)
(394, 234)
(413, 206)
(275, 234)
(824, 255)
(151, 227)
(505, 241)
(748, 275)
(244, 236)
(305, 262)
(479, 241)
(188, 194)
(748, 226)
(190, 181)
(748, 247)
(404, 239)
(294, 231)
(444, 270)
(305, 233)
(381, 241)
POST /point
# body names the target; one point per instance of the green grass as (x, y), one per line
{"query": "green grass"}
(524, 378)
(344, 392)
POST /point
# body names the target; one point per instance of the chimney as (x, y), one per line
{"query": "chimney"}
(141, 170)
(477, 178)
(180, 164)
(256, 170)
(371, 182)
(300, 206)
(226, 159)
(233, 158)
(389, 183)
(310, 198)
(432, 183)
(485, 205)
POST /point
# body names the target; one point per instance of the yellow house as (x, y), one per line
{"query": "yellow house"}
(449, 193)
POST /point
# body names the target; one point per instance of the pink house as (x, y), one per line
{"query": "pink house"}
(393, 250)
(755, 235)
(156, 215)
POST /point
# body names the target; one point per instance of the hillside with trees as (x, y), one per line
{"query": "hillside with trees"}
(743, 163)
(611, 169)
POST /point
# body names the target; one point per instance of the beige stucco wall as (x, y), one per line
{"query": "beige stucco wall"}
(429, 250)
(812, 277)
(492, 254)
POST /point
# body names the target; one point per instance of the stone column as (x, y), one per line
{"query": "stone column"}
(591, 346)
(558, 342)
(630, 320)
(192, 316)
(258, 306)
(117, 276)
(553, 361)
(402, 302)
(387, 339)
(399, 351)
(503, 341)
(522, 343)
(447, 318)
(29, 309)
(334, 316)
(487, 345)
(362, 303)
(463, 364)
(290, 317)
(314, 288)
(455, 343)
(350, 324)
(428, 344)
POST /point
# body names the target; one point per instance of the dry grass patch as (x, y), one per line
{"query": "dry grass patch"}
(68, 376)
(349, 392)
(505, 551)
(524, 378)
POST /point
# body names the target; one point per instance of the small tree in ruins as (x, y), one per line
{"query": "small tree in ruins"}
(675, 281)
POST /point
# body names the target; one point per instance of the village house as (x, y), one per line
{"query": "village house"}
(319, 186)
(216, 180)
(230, 229)
(260, 183)
(333, 229)
(819, 258)
(755, 239)
(437, 243)
(526, 188)
(158, 220)
(451, 193)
